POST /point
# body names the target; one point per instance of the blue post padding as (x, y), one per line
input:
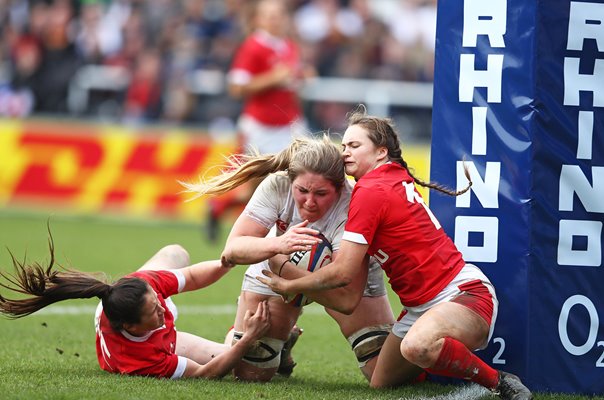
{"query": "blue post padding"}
(539, 238)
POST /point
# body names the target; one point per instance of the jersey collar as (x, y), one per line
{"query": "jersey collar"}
(143, 338)
(276, 43)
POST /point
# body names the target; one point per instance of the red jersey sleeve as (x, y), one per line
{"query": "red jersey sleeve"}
(246, 56)
(364, 214)
(165, 282)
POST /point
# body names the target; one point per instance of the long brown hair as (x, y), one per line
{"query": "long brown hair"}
(318, 156)
(122, 301)
(382, 133)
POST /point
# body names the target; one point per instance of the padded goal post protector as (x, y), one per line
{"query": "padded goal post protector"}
(519, 93)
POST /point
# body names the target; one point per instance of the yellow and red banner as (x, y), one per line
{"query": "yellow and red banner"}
(94, 168)
(90, 168)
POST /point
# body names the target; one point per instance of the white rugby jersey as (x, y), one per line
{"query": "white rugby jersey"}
(273, 207)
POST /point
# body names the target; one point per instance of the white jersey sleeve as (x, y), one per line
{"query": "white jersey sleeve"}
(270, 200)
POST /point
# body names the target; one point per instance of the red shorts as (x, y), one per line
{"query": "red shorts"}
(470, 287)
(476, 296)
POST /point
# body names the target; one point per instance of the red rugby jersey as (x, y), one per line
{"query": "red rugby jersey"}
(388, 213)
(153, 354)
(258, 54)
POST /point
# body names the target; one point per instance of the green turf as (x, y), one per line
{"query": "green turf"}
(52, 355)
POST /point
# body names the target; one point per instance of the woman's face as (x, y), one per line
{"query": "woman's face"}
(152, 315)
(314, 195)
(272, 17)
(360, 154)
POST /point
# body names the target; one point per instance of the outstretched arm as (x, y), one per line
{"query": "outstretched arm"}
(203, 274)
(247, 243)
(256, 325)
(343, 271)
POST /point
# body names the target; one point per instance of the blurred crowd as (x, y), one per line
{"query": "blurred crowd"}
(170, 56)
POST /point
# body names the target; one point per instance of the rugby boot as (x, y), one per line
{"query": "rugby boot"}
(511, 388)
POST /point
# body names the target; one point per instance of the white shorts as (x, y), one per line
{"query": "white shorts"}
(469, 273)
(269, 139)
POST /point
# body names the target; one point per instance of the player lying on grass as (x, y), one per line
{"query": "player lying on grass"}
(134, 322)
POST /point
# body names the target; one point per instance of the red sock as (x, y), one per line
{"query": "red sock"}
(455, 360)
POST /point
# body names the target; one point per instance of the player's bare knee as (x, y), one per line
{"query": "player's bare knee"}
(417, 352)
(178, 254)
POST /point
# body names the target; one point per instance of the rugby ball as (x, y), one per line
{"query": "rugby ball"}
(310, 260)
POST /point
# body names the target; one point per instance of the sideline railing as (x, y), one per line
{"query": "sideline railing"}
(377, 95)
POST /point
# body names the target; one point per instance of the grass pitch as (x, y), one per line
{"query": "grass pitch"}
(51, 355)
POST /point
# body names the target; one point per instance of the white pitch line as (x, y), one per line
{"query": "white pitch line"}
(466, 392)
(215, 309)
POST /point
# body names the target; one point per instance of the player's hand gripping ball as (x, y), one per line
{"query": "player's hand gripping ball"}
(311, 260)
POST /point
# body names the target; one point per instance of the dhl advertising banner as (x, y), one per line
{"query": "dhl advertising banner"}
(519, 95)
(92, 168)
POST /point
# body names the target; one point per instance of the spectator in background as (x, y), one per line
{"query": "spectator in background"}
(99, 34)
(330, 27)
(17, 97)
(413, 27)
(133, 40)
(196, 40)
(186, 40)
(60, 60)
(266, 74)
(143, 96)
(345, 39)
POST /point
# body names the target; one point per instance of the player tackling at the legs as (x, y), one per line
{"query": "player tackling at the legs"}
(135, 333)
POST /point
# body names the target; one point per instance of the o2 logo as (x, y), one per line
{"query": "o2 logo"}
(594, 323)
(573, 348)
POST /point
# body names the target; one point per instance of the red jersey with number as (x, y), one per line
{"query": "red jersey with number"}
(388, 213)
(150, 355)
(258, 54)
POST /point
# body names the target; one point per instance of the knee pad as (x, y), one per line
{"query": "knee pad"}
(265, 353)
(367, 342)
